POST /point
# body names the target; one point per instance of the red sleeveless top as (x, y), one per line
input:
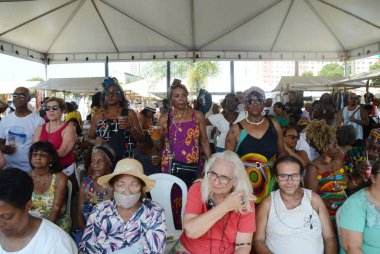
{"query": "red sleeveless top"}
(56, 139)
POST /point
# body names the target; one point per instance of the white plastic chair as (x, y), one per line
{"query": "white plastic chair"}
(161, 194)
(68, 200)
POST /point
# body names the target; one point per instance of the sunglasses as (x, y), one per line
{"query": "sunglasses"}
(293, 136)
(19, 95)
(55, 107)
(113, 93)
(258, 101)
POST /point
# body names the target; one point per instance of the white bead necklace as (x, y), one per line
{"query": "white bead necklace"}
(258, 123)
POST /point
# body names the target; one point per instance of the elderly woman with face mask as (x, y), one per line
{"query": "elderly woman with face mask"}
(257, 140)
(129, 223)
(219, 215)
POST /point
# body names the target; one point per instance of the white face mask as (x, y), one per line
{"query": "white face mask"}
(126, 201)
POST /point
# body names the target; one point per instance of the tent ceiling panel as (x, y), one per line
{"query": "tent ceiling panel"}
(303, 21)
(169, 17)
(209, 25)
(13, 14)
(84, 33)
(239, 29)
(254, 33)
(351, 31)
(47, 25)
(132, 35)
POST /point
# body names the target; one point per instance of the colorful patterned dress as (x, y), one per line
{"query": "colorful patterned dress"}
(92, 196)
(106, 232)
(331, 187)
(184, 141)
(257, 155)
(43, 203)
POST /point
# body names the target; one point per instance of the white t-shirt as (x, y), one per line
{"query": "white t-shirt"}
(49, 239)
(20, 131)
(302, 145)
(268, 111)
(223, 126)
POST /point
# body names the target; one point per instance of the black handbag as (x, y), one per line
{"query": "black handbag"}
(187, 172)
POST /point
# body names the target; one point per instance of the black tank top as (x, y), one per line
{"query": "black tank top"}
(266, 146)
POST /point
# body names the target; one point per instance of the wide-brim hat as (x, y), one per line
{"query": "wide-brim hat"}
(128, 167)
(150, 107)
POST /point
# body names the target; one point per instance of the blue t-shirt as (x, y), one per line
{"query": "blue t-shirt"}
(359, 214)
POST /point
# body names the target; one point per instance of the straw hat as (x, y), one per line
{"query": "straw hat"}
(128, 167)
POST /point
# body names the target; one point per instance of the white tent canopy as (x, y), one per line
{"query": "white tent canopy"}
(89, 85)
(288, 83)
(59, 31)
(375, 74)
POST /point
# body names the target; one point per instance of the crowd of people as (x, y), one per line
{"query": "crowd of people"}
(277, 179)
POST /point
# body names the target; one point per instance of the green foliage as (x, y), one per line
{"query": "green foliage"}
(308, 74)
(331, 70)
(374, 66)
(194, 75)
(36, 79)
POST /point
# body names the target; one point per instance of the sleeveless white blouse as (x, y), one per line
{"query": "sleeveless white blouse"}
(298, 230)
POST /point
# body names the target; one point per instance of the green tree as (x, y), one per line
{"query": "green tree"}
(374, 66)
(308, 74)
(331, 70)
(195, 75)
(36, 79)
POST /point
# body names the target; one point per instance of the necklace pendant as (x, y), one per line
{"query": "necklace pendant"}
(336, 185)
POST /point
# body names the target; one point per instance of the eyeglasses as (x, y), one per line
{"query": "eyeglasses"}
(55, 107)
(293, 136)
(133, 187)
(212, 176)
(40, 154)
(19, 95)
(258, 101)
(97, 162)
(285, 177)
(113, 93)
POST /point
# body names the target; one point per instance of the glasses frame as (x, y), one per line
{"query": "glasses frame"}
(281, 177)
(54, 108)
(293, 136)
(258, 101)
(113, 93)
(226, 180)
(20, 95)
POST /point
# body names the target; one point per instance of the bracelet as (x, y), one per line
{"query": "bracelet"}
(242, 244)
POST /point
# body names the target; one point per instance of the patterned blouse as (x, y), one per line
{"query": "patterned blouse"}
(106, 232)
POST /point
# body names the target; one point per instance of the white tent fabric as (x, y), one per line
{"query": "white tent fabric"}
(288, 83)
(375, 74)
(58, 31)
(88, 85)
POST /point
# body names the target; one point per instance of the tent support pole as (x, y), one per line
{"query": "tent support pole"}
(106, 67)
(167, 79)
(232, 75)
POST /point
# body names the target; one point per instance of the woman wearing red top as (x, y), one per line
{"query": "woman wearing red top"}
(219, 215)
(62, 135)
